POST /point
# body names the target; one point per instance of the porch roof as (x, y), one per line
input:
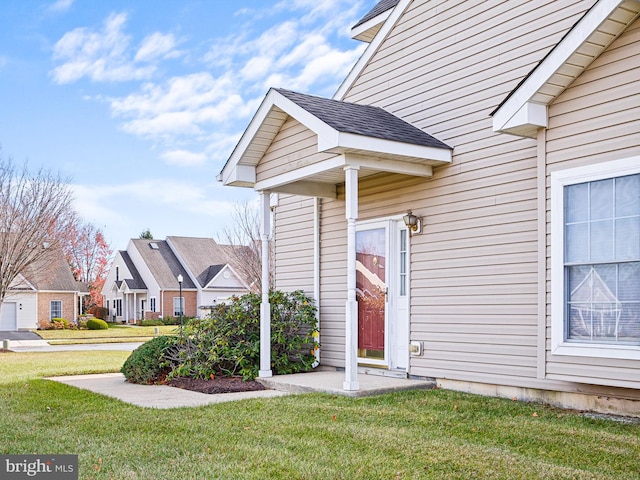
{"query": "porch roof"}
(375, 140)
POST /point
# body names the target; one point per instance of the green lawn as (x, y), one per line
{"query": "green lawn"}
(115, 334)
(422, 434)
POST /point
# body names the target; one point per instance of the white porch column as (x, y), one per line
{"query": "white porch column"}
(265, 307)
(351, 310)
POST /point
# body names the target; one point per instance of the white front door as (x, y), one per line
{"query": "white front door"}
(382, 286)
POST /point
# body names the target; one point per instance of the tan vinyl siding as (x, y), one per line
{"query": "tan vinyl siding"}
(294, 244)
(444, 68)
(596, 119)
(294, 146)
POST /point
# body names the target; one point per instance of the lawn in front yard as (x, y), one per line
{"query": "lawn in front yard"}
(114, 334)
(421, 434)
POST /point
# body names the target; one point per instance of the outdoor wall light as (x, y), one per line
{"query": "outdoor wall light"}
(413, 223)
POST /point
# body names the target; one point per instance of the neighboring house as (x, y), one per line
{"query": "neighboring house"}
(512, 134)
(143, 279)
(45, 290)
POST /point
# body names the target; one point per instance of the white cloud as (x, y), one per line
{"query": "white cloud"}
(105, 55)
(61, 5)
(157, 45)
(184, 158)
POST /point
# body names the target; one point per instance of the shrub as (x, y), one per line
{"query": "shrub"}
(60, 323)
(151, 323)
(147, 363)
(101, 312)
(228, 341)
(97, 324)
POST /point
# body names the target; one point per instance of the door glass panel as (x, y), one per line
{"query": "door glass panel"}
(371, 291)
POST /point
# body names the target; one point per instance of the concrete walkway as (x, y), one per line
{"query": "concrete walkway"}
(331, 382)
(154, 396)
(162, 396)
(42, 346)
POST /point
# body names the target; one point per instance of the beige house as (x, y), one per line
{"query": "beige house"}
(512, 135)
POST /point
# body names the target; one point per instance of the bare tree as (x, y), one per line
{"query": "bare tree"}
(35, 210)
(244, 245)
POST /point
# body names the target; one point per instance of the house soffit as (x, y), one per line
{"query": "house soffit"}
(347, 134)
(369, 25)
(524, 110)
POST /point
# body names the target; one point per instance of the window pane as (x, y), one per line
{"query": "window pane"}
(629, 282)
(628, 196)
(576, 203)
(601, 241)
(601, 199)
(627, 239)
(577, 243)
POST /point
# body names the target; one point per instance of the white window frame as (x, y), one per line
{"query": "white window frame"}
(559, 180)
(176, 315)
(51, 315)
(117, 307)
(152, 304)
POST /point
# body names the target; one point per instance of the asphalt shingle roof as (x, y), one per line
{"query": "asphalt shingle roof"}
(135, 282)
(202, 256)
(364, 120)
(162, 263)
(51, 272)
(380, 7)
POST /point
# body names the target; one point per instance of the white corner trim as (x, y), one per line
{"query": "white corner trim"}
(371, 49)
(587, 25)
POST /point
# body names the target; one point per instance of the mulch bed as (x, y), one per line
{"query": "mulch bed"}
(216, 385)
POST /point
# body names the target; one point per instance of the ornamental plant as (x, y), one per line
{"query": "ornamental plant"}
(227, 342)
(150, 362)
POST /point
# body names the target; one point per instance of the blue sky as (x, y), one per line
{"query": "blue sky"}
(140, 103)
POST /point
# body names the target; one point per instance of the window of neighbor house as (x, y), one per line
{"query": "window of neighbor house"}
(176, 306)
(596, 262)
(152, 304)
(55, 309)
(117, 305)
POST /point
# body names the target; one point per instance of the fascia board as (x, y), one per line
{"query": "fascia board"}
(233, 272)
(248, 136)
(369, 24)
(371, 49)
(379, 145)
(550, 65)
(300, 173)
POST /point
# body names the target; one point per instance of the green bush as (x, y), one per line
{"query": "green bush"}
(97, 324)
(147, 364)
(228, 341)
(151, 323)
(170, 320)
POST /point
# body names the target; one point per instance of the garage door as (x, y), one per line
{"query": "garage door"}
(8, 317)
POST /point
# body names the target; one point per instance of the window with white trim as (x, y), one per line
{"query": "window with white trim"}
(152, 304)
(55, 309)
(176, 306)
(117, 305)
(595, 260)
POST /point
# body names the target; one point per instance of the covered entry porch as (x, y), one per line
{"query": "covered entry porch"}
(315, 147)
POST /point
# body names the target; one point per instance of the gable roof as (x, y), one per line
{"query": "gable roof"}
(524, 110)
(203, 257)
(162, 263)
(341, 128)
(51, 273)
(368, 26)
(135, 282)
